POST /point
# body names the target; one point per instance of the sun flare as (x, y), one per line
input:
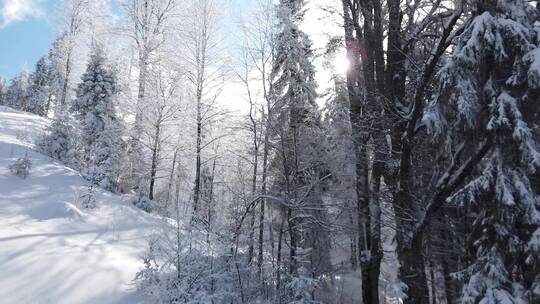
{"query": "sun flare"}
(341, 63)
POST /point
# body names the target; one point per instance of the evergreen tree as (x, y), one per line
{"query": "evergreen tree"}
(17, 92)
(297, 164)
(39, 95)
(100, 128)
(59, 141)
(2, 92)
(486, 85)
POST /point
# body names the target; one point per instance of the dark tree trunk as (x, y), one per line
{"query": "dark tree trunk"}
(353, 246)
(432, 281)
(412, 272)
(251, 237)
(375, 213)
(210, 204)
(197, 187)
(293, 243)
(452, 294)
(362, 86)
(263, 201)
(278, 259)
(261, 241)
(47, 106)
(153, 167)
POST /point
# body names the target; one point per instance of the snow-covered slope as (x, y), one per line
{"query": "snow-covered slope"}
(51, 251)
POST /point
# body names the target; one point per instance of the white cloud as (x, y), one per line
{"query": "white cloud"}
(12, 11)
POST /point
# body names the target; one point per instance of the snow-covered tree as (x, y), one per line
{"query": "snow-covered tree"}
(3, 90)
(107, 153)
(256, 55)
(186, 269)
(75, 15)
(297, 132)
(39, 93)
(58, 141)
(159, 115)
(21, 167)
(486, 85)
(56, 57)
(148, 25)
(101, 142)
(204, 66)
(60, 138)
(17, 92)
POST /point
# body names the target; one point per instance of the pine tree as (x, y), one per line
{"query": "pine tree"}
(2, 92)
(39, 94)
(485, 87)
(100, 142)
(297, 130)
(58, 142)
(60, 139)
(17, 92)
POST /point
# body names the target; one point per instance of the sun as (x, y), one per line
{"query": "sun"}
(341, 63)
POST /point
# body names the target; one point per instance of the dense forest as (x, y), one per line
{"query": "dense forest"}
(409, 174)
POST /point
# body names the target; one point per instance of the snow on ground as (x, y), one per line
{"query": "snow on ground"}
(50, 250)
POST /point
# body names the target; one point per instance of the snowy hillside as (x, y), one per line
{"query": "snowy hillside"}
(51, 251)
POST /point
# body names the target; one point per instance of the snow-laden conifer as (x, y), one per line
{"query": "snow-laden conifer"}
(58, 141)
(485, 88)
(3, 89)
(16, 95)
(297, 164)
(100, 142)
(39, 94)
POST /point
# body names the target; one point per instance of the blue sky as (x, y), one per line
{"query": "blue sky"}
(25, 34)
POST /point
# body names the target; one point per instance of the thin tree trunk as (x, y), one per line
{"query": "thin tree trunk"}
(134, 143)
(153, 167)
(254, 128)
(201, 53)
(278, 261)
(211, 201)
(449, 286)
(353, 246)
(251, 238)
(177, 190)
(65, 85)
(375, 228)
(196, 191)
(293, 243)
(253, 193)
(264, 177)
(433, 282)
(261, 240)
(141, 92)
(178, 233)
(47, 106)
(171, 177)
